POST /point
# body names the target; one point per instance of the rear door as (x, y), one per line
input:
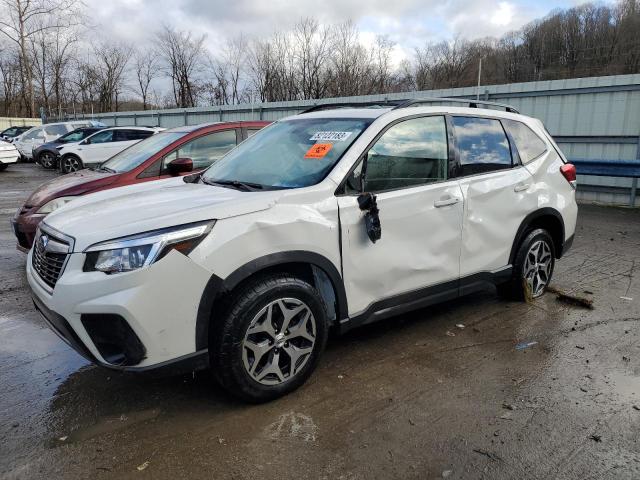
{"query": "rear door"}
(420, 209)
(497, 193)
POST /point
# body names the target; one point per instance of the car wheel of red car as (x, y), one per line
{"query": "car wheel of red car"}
(71, 163)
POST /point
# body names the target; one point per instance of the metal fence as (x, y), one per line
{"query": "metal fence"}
(596, 118)
(6, 122)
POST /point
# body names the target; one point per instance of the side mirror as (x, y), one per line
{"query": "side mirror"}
(180, 165)
(85, 142)
(367, 202)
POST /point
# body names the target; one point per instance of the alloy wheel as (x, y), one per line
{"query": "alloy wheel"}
(71, 164)
(279, 341)
(537, 267)
(47, 160)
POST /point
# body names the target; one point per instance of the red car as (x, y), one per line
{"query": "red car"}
(177, 151)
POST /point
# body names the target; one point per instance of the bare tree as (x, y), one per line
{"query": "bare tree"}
(313, 44)
(111, 61)
(182, 55)
(22, 20)
(146, 67)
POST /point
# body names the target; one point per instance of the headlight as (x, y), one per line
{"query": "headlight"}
(137, 251)
(54, 204)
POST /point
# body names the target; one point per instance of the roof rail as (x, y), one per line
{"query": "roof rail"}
(469, 103)
(378, 104)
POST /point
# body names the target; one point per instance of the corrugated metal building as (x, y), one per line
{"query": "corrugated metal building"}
(591, 118)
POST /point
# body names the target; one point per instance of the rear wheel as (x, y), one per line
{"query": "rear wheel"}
(271, 338)
(70, 163)
(47, 160)
(3, 166)
(532, 268)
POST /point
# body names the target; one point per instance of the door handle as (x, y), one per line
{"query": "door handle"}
(521, 187)
(446, 202)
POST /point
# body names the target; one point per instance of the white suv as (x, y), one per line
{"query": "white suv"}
(33, 138)
(101, 146)
(332, 218)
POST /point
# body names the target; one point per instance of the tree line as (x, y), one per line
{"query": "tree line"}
(50, 59)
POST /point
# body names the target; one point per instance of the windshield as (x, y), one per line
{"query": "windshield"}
(77, 135)
(289, 154)
(133, 156)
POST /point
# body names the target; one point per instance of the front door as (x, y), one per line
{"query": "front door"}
(420, 213)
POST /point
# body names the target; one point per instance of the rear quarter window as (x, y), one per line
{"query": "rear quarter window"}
(530, 146)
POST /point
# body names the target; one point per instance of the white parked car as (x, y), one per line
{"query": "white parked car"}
(8, 154)
(101, 146)
(332, 218)
(33, 138)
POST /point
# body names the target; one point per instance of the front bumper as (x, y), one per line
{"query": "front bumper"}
(159, 304)
(25, 223)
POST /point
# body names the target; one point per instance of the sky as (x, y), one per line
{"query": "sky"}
(408, 23)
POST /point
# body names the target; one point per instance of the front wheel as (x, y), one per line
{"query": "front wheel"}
(532, 268)
(47, 160)
(70, 164)
(271, 338)
(3, 166)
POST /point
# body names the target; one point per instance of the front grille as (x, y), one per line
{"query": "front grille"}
(48, 259)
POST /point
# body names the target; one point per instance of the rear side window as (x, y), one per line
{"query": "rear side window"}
(530, 146)
(129, 135)
(482, 144)
(410, 153)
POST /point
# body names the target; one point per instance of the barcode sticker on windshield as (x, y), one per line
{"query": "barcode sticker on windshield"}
(331, 136)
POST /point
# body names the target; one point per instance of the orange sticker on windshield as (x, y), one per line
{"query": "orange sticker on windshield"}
(319, 150)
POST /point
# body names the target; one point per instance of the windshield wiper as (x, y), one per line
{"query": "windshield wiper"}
(244, 186)
(106, 169)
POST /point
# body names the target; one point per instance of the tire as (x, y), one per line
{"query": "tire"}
(3, 166)
(532, 267)
(244, 345)
(70, 163)
(47, 160)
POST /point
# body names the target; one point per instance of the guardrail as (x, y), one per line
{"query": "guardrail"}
(611, 168)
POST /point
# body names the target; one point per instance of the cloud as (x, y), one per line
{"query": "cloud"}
(409, 23)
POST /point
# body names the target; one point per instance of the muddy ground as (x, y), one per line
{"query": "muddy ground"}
(412, 397)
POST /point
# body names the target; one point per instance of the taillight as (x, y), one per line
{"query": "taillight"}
(568, 171)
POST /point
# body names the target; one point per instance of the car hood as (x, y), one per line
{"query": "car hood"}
(77, 183)
(149, 206)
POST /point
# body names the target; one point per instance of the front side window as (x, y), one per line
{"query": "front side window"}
(101, 137)
(205, 150)
(293, 153)
(530, 146)
(412, 152)
(483, 145)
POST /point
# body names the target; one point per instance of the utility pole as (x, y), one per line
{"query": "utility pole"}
(479, 75)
